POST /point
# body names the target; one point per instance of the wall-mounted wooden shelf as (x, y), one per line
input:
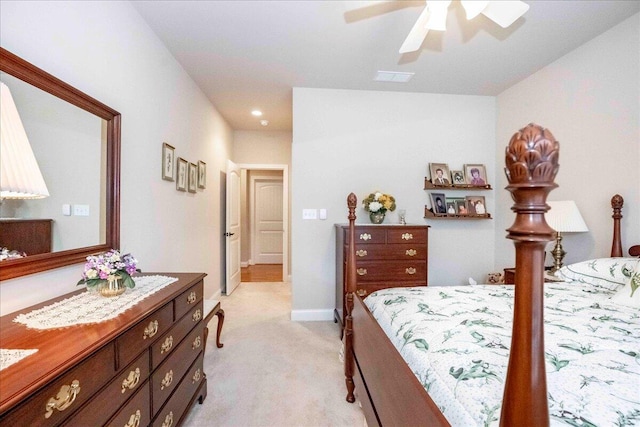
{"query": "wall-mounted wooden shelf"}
(428, 214)
(429, 186)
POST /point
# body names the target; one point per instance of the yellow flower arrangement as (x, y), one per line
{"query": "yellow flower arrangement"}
(379, 202)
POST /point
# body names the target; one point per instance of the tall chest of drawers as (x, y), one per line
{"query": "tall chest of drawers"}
(143, 368)
(386, 256)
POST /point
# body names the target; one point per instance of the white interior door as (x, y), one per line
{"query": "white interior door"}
(232, 232)
(268, 222)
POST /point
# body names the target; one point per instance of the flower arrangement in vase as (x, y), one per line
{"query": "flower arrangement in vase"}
(109, 273)
(377, 204)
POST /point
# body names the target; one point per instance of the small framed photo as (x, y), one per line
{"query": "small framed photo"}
(181, 175)
(461, 207)
(475, 175)
(476, 205)
(457, 177)
(202, 174)
(168, 161)
(440, 174)
(193, 177)
(438, 203)
(451, 206)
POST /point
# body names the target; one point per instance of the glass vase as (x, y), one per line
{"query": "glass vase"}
(376, 217)
(112, 287)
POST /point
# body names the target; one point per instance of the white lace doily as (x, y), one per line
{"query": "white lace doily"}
(91, 307)
(9, 357)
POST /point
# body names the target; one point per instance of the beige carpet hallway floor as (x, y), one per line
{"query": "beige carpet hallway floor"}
(272, 371)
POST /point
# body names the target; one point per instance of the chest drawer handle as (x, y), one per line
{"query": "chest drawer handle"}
(65, 397)
(407, 236)
(361, 253)
(131, 381)
(410, 270)
(196, 343)
(168, 379)
(411, 252)
(192, 297)
(361, 271)
(361, 292)
(166, 345)
(197, 315)
(168, 420)
(365, 236)
(196, 377)
(134, 419)
(150, 330)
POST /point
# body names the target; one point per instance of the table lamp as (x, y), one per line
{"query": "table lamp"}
(563, 217)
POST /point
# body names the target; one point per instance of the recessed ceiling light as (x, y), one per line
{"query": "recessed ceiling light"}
(393, 76)
(264, 122)
(256, 113)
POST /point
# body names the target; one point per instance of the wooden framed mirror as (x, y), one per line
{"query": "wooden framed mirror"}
(108, 172)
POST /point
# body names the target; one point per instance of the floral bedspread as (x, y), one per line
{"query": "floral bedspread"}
(456, 340)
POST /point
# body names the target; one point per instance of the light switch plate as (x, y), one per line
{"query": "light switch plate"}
(81, 210)
(309, 214)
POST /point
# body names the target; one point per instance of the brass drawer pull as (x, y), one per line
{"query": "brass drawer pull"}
(196, 377)
(411, 252)
(410, 270)
(361, 253)
(196, 343)
(407, 236)
(65, 397)
(361, 292)
(361, 271)
(365, 236)
(166, 345)
(150, 330)
(192, 297)
(131, 381)
(168, 379)
(134, 419)
(197, 315)
(168, 420)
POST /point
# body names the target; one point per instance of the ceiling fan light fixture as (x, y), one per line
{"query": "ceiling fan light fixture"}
(473, 7)
(437, 15)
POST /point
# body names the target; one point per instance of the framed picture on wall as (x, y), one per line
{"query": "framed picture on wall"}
(168, 161)
(457, 177)
(193, 177)
(440, 174)
(461, 206)
(438, 203)
(202, 174)
(476, 205)
(475, 175)
(181, 175)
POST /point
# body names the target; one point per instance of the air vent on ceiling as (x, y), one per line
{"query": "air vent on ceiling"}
(393, 76)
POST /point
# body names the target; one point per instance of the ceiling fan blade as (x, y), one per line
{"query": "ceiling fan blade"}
(505, 13)
(417, 34)
(473, 7)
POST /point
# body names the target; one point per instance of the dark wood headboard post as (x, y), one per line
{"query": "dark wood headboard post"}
(352, 201)
(531, 167)
(616, 244)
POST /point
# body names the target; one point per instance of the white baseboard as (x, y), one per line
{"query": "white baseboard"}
(311, 315)
(244, 264)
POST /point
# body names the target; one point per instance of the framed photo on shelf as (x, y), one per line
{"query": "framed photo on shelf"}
(181, 175)
(193, 177)
(476, 205)
(168, 161)
(461, 207)
(475, 175)
(440, 174)
(457, 177)
(438, 203)
(202, 174)
(451, 207)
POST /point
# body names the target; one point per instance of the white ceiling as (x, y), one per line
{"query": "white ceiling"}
(250, 54)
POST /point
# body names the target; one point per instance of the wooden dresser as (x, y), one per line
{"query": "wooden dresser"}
(386, 256)
(142, 368)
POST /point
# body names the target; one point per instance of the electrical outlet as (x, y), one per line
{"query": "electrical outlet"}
(81, 210)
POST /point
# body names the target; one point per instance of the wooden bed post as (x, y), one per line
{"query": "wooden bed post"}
(531, 166)
(616, 245)
(349, 362)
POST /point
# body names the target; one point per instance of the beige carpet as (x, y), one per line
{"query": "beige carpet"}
(272, 371)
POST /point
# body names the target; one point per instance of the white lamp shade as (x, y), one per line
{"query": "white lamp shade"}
(564, 217)
(20, 176)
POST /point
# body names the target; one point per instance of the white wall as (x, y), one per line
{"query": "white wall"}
(363, 141)
(590, 100)
(106, 50)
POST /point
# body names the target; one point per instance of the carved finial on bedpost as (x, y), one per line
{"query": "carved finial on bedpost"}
(531, 167)
(351, 278)
(616, 204)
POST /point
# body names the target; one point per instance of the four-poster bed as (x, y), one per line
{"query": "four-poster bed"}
(393, 393)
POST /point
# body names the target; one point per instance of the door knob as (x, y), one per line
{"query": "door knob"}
(229, 234)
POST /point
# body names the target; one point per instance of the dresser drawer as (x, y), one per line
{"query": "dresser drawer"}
(188, 299)
(407, 235)
(125, 385)
(163, 347)
(165, 379)
(392, 271)
(389, 252)
(367, 235)
(135, 413)
(60, 398)
(140, 337)
(177, 404)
